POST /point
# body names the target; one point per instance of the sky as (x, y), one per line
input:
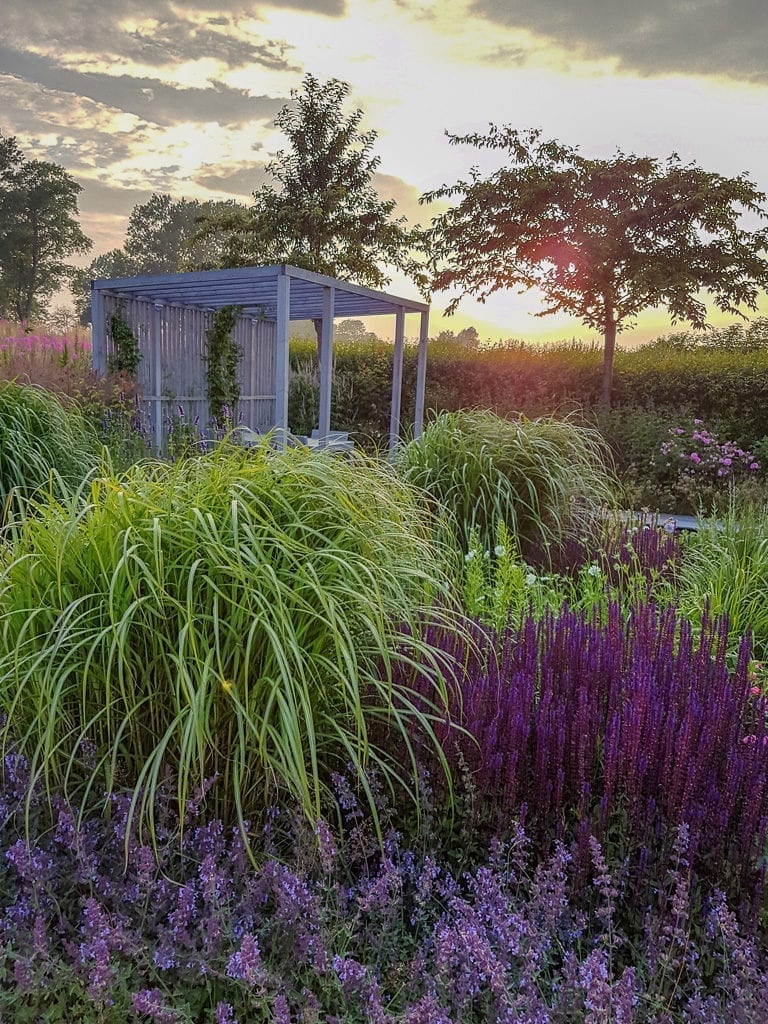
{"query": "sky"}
(140, 96)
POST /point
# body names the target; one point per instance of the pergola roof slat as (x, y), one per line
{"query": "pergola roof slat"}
(255, 288)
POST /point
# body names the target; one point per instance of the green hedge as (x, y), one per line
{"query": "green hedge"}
(727, 389)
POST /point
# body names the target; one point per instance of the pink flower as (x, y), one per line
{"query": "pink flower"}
(695, 457)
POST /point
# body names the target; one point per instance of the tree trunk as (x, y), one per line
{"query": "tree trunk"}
(609, 349)
(318, 325)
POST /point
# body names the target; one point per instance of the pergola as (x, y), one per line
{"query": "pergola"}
(272, 295)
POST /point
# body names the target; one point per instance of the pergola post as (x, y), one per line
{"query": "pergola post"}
(157, 373)
(282, 356)
(98, 331)
(326, 367)
(397, 383)
(421, 375)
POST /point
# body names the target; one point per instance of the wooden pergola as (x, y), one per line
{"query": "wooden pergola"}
(268, 297)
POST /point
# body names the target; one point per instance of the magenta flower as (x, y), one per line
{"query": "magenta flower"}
(695, 457)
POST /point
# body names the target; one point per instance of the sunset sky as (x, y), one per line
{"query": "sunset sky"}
(142, 96)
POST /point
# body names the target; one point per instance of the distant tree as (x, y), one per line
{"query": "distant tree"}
(323, 212)
(159, 239)
(602, 239)
(468, 337)
(162, 234)
(353, 330)
(38, 231)
(114, 263)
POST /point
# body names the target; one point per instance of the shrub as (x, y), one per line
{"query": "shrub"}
(628, 729)
(234, 614)
(41, 444)
(542, 478)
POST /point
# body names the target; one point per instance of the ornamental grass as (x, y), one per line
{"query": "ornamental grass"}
(544, 478)
(232, 616)
(42, 445)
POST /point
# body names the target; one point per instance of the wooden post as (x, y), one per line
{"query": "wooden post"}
(326, 367)
(397, 383)
(421, 375)
(282, 357)
(98, 331)
(157, 373)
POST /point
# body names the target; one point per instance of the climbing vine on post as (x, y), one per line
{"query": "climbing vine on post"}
(126, 356)
(223, 359)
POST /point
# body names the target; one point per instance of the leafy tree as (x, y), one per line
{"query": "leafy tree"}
(160, 239)
(38, 230)
(602, 239)
(322, 212)
(114, 263)
(161, 236)
(353, 330)
(468, 337)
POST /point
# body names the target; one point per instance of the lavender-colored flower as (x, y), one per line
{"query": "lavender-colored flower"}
(245, 963)
(224, 1014)
(150, 1003)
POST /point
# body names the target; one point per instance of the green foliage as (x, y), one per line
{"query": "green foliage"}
(725, 572)
(601, 239)
(498, 587)
(236, 615)
(222, 365)
(42, 446)
(542, 478)
(38, 231)
(160, 239)
(125, 356)
(323, 211)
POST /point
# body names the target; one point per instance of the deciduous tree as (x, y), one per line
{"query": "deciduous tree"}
(39, 230)
(322, 211)
(602, 239)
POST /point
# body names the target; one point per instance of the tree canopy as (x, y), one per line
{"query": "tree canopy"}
(160, 239)
(38, 230)
(321, 210)
(602, 239)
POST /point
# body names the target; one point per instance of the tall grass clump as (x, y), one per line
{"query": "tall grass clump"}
(543, 478)
(236, 616)
(40, 441)
(725, 570)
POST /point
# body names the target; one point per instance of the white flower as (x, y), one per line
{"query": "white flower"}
(499, 550)
(530, 579)
(487, 554)
(469, 555)
(594, 570)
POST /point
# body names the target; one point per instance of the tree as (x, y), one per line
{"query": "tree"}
(602, 239)
(322, 213)
(162, 234)
(467, 338)
(38, 230)
(353, 331)
(160, 239)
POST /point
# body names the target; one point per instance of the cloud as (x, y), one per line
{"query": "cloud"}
(147, 98)
(406, 196)
(239, 181)
(151, 30)
(705, 37)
